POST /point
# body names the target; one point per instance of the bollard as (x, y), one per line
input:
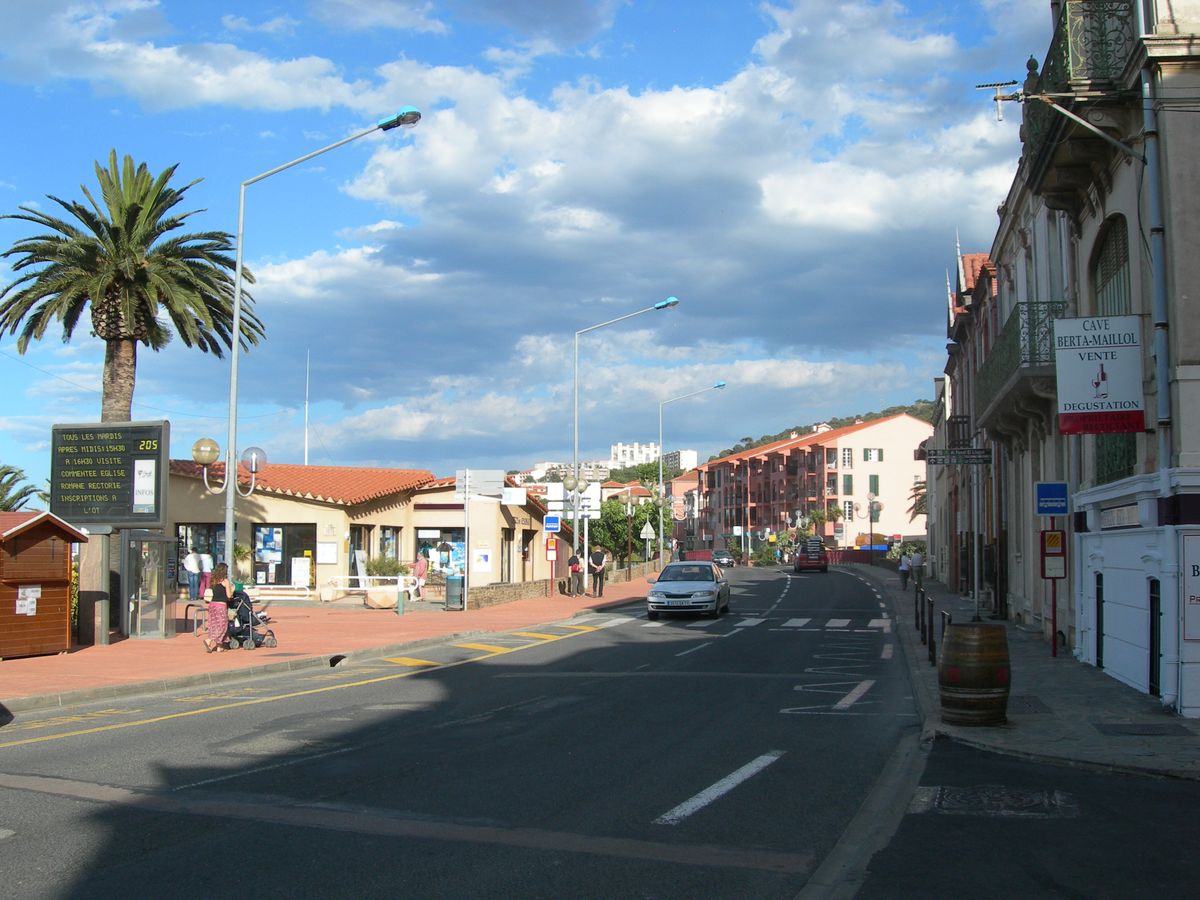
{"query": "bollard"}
(917, 608)
(932, 641)
(921, 615)
(947, 619)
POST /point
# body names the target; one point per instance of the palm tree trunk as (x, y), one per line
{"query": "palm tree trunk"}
(120, 371)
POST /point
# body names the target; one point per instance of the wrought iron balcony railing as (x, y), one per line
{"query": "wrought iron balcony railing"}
(1026, 341)
(1092, 42)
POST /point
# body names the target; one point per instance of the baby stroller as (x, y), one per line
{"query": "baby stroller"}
(248, 628)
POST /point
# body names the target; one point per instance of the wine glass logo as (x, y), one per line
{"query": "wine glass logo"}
(1100, 383)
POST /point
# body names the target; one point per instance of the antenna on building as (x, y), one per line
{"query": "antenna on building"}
(999, 98)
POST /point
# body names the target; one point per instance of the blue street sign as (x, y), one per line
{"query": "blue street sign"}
(551, 524)
(1050, 498)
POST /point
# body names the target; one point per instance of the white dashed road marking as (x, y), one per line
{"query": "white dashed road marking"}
(722, 787)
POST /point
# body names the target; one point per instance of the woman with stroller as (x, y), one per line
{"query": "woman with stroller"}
(218, 610)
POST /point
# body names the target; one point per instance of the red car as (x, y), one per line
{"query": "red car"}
(811, 556)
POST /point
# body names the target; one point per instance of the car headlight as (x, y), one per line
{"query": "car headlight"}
(703, 595)
(657, 595)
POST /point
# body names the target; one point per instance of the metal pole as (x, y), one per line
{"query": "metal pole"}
(407, 116)
(575, 453)
(662, 496)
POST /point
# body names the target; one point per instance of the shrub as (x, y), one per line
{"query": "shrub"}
(386, 566)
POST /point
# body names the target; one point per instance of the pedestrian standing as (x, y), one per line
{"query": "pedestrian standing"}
(575, 578)
(218, 610)
(596, 564)
(420, 570)
(191, 565)
(905, 566)
(916, 563)
(206, 572)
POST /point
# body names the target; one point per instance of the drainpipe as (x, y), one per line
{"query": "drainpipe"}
(1170, 675)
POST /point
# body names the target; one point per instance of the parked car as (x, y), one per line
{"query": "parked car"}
(723, 558)
(811, 556)
(688, 587)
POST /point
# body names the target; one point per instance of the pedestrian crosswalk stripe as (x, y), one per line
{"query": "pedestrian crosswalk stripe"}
(885, 624)
(837, 623)
(747, 623)
(410, 661)
(796, 623)
(703, 623)
(653, 624)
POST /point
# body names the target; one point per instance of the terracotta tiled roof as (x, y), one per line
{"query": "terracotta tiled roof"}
(345, 485)
(13, 523)
(813, 437)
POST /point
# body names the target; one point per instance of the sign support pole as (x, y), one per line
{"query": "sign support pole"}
(1054, 603)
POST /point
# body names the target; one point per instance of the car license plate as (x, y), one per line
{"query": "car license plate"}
(678, 602)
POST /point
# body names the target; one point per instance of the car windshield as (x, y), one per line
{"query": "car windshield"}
(687, 573)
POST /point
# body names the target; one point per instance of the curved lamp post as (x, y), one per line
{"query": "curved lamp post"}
(873, 508)
(407, 117)
(661, 488)
(661, 304)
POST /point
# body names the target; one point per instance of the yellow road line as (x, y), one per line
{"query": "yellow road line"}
(410, 661)
(255, 701)
(581, 628)
(539, 636)
(490, 648)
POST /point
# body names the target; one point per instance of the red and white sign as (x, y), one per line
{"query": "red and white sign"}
(1098, 362)
(551, 548)
(1054, 554)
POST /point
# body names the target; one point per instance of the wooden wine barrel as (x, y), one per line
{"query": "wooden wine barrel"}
(974, 675)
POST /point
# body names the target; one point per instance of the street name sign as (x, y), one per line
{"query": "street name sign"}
(952, 456)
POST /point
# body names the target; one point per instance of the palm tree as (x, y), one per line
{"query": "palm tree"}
(13, 494)
(142, 282)
(919, 497)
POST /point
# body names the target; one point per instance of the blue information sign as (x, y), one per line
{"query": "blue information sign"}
(1050, 498)
(551, 524)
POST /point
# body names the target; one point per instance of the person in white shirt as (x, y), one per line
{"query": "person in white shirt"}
(191, 565)
(904, 568)
(206, 570)
(916, 564)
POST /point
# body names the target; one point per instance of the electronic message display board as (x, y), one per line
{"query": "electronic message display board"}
(111, 473)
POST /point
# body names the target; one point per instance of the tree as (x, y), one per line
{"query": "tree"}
(121, 261)
(919, 497)
(13, 494)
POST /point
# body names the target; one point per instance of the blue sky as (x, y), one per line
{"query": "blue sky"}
(795, 172)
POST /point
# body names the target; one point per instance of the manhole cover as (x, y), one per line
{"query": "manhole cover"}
(1143, 729)
(994, 800)
(1026, 703)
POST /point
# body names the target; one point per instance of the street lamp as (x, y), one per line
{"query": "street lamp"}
(628, 533)
(407, 117)
(661, 489)
(661, 304)
(873, 508)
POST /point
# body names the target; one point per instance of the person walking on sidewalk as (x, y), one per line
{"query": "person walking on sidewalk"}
(915, 563)
(420, 570)
(206, 571)
(191, 565)
(596, 565)
(218, 610)
(575, 578)
(905, 567)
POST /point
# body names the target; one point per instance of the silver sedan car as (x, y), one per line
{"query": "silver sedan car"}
(688, 587)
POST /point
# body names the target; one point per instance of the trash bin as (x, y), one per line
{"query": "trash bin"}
(454, 592)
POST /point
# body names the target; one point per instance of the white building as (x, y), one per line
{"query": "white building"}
(625, 455)
(683, 460)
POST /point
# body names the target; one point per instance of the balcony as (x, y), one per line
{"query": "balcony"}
(1093, 41)
(1017, 379)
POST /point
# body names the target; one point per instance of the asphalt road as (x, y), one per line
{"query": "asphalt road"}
(604, 756)
(987, 826)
